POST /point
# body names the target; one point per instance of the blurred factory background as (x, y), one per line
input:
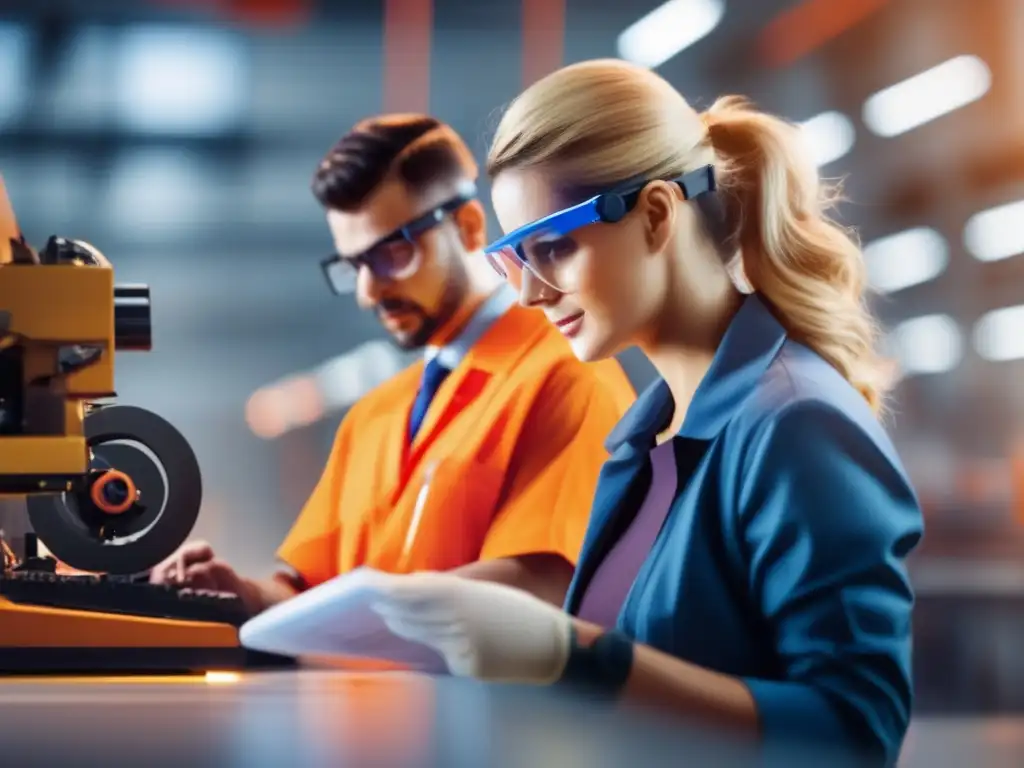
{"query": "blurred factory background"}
(180, 137)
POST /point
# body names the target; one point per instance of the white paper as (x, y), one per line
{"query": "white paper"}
(335, 619)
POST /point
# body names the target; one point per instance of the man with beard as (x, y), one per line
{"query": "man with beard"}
(483, 458)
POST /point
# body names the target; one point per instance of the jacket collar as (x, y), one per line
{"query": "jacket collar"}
(751, 342)
(493, 308)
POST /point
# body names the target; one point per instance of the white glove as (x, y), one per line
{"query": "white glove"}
(483, 630)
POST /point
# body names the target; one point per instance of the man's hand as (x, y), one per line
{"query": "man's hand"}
(195, 566)
(175, 568)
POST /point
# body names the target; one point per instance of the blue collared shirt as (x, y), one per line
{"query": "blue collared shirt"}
(493, 307)
(781, 561)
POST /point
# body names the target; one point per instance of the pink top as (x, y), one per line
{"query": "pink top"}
(614, 577)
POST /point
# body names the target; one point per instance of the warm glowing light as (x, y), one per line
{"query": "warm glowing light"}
(222, 678)
(301, 399)
(266, 413)
(305, 401)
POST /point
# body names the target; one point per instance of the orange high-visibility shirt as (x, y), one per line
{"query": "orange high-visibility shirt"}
(505, 463)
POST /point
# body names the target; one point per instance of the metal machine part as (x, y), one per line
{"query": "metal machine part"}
(116, 594)
(138, 503)
(133, 325)
(111, 489)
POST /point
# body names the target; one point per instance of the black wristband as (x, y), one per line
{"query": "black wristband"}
(601, 669)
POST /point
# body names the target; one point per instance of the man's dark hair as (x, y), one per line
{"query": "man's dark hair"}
(419, 150)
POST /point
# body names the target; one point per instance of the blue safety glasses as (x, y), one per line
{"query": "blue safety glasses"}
(545, 248)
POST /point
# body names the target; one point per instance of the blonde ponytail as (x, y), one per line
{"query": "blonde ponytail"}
(808, 267)
(596, 123)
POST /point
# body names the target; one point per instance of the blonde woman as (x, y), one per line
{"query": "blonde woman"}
(744, 562)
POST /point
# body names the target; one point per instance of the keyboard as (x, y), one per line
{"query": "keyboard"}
(113, 594)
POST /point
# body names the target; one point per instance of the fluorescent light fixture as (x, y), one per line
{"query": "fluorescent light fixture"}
(997, 233)
(999, 335)
(926, 96)
(156, 191)
(928, 344)
(83, 99)
(14, 72)
(905, 258)
(668, 29)
(345, 379)
(303, 398)
(828, 136)
(179, 80)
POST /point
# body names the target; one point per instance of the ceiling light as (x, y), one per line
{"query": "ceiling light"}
(15, 77)
(828, 136)
(905, 258)
(179, 80)
(926, 96)
(927, 344)
(997, 233)
(668, 29)
(999, 335)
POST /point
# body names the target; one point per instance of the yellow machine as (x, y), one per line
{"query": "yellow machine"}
(110, 490)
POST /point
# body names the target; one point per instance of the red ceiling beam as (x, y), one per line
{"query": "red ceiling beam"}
(270, 14)
(408, 31)
(800, 30)
(543, 38)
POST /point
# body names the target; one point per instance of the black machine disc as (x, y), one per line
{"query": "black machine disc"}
(163, 468)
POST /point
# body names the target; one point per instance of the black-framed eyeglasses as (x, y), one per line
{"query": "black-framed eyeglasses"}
(395, 256)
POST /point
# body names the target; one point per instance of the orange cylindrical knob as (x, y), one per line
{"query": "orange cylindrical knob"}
(105, 501)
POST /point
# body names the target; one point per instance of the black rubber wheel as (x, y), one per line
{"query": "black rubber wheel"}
(58, 523)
